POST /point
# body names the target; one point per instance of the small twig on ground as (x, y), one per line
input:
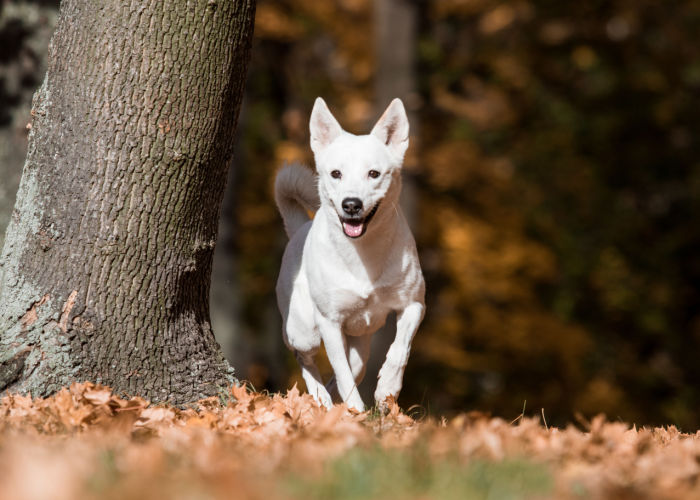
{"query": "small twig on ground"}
(521, 416)
(544, 420)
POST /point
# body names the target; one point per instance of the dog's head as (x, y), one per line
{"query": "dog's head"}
(359, 175)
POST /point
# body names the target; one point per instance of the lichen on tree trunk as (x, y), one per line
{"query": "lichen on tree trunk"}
(107, 259)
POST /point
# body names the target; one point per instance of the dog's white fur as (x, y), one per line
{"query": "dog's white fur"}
(338, 289)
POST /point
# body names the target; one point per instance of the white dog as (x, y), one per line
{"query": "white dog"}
(346, 270)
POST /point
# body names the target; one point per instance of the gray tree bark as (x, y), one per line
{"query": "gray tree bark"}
(107, 259)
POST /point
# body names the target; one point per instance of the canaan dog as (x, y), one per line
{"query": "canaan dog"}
(344, 271)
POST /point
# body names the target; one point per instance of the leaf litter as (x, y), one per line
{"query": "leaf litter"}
(87, 442)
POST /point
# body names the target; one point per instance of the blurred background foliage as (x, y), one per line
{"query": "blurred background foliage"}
(553, 184)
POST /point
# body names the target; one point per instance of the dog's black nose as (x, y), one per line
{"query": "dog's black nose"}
(352, 205)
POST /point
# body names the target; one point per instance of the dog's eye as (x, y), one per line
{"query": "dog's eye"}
(336, 174)
(373, 174)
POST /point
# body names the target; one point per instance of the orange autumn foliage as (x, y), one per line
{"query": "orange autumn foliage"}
(86, 442)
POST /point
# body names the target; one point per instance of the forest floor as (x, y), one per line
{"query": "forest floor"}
(85, 442)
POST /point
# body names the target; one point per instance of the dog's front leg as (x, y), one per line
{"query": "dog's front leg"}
(334, 342)
(391, 374)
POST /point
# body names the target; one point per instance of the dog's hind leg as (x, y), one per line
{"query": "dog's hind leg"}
(312, 377)
(357, 350)
(332, 389)
(358, 354)
(334, 342)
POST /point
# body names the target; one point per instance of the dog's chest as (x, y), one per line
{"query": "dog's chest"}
(365, 322)
(363, 313)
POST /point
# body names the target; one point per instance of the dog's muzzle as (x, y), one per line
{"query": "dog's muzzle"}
(354, 227)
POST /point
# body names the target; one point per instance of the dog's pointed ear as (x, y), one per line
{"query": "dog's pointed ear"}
(323, 126)
(392, 128)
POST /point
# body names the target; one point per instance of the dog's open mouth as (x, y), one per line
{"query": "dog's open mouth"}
(356, 227)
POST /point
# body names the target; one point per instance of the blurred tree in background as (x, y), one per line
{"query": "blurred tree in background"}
(25, 29)
(555, 184)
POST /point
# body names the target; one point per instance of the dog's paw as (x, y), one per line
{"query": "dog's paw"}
(321, 395)
(355, 402)
(383, 400)
(387, 386)
(386, 405)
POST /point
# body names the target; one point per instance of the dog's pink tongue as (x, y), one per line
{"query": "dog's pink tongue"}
(353, 230)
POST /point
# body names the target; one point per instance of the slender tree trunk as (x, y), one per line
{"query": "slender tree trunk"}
(225, 297)
(395, 49)
(395, 28)
(107, 259)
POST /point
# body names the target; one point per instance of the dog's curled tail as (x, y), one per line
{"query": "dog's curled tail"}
(296, 195)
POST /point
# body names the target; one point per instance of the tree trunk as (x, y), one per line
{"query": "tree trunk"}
(395, 49)
(107, 259)
(395, 29)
